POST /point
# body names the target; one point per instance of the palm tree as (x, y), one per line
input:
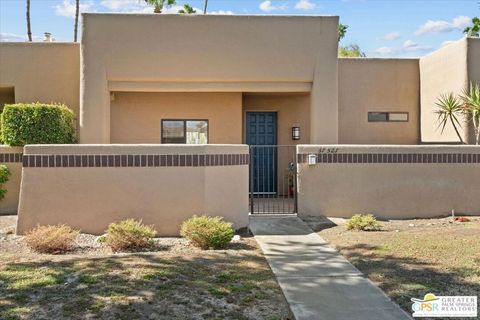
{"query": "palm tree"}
(205, 7)
(474, 29)
(342, 31)
(29, 29)
(449, 109)
(471, 100)
(77, 9)
(158, 4)
(187, 9)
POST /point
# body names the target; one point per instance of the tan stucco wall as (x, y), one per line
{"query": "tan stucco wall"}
(389, 190)
(90, 198)
(43, 72)
(378, 85)
(474, 60)
(136, 116)
(237, 51)
(9, 204)
(441, 72)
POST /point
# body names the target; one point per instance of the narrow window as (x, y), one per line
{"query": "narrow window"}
(185, 131)
(388, 117)
(377, 116)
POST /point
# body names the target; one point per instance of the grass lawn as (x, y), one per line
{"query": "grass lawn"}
(176, 282)
(410, 258)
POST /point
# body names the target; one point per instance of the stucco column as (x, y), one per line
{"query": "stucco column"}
(94, 94)
(324, 102)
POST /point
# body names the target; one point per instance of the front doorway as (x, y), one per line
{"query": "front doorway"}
(272, 167)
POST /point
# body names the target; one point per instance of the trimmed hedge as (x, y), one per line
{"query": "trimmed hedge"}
(37, 123)
(4, 177)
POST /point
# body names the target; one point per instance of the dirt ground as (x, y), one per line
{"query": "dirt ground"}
(410, 258)
(175, 281)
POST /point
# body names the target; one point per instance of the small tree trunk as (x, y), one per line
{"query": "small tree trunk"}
(77, 9)
(157, 9)
(205, 7)
(456, 130)
(29, 29)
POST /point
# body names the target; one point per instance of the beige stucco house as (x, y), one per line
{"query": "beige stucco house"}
(226, 79)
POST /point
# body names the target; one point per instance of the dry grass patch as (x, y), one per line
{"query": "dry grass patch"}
(410, 258)
(179, 282)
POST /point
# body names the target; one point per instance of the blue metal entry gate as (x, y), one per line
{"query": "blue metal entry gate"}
(273, 168)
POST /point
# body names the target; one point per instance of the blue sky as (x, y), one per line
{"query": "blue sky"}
(395, 28)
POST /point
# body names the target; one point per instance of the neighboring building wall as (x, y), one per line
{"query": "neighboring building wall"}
(441, 72)
(392, 182)
(88, 187)
(474, 60)
(378, 85)
(43, 72)
(221, 54)
(136, 116)
(12, 158)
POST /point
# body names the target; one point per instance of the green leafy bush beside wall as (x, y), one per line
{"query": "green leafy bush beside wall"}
(37, 123)
(4, 177)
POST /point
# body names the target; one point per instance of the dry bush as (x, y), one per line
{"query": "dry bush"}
(363, 222)
(55, 239)
(207, 232)
(129, 235)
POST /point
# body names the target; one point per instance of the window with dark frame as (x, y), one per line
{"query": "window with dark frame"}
(184, 131)
(388, 117)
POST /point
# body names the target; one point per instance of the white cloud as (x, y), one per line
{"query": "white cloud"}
(13, 37)
(67, 8)
(120, 5)
(305, 5)
(441, 26)
(408, 46)
(445, 43)
(385, 50)
(227, 12)
(268, 6)
(392, 36)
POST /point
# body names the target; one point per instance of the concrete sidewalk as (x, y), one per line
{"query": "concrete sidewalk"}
(317, 282)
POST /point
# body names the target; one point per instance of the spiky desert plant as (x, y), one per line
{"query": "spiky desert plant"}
(449, 109)
(471, 100)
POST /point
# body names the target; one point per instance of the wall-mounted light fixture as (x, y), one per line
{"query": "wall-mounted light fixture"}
(295, 133)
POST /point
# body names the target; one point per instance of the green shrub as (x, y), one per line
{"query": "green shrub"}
(129, 235)
(363, 222)
(37, 123)
(207, 232)
(4, 177)
(51, 239)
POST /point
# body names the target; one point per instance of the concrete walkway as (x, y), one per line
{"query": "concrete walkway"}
(317, 282)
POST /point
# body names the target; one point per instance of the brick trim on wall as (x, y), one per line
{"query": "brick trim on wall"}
(393, 158)
(11, 157)
(134, 160)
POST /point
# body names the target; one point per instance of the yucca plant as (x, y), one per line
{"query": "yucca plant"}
(471, 100)
(158, 4)
(187, 9)
(450, 109)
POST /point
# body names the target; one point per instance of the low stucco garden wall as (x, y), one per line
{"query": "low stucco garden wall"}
(12, 158)
(389, 181)
(90, 186)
